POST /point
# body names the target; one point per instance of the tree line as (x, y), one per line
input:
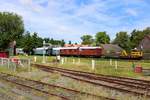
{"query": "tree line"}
(12, 29)
(29, 41)
(123, 39)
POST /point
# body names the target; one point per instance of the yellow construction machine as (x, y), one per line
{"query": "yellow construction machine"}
(133, 54)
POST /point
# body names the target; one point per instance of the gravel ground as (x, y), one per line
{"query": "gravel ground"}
(57, 79)
(10, 91)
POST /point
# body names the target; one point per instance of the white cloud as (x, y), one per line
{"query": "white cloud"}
(132, 12)
(26, 2)
(30, 4)
(69, 20)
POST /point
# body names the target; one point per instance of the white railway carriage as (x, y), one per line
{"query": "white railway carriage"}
(40, 51)
(56, 51)
(20, 51)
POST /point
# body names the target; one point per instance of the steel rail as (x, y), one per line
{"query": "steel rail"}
(96, 83)
(60, 87)
(32, 88)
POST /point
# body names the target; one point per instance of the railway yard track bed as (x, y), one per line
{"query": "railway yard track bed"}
(126, 85)
(51, 90)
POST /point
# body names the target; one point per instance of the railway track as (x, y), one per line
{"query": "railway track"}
(51, 90)
(130, 85)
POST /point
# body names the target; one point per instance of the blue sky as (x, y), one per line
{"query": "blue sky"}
(70, 19)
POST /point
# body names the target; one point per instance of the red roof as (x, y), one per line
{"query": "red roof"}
(75, 45)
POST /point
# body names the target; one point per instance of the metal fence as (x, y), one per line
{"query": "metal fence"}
(13, 63)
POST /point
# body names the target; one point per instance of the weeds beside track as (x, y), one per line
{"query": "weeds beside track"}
(129, 85)
(52, 90)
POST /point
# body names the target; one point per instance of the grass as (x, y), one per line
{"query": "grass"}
(102, 66)
(86, 87)
(39, 58)
(7, 93)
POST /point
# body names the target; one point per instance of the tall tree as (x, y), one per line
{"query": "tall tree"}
(27, 46)
(69, 42)
(87, 39)
(30, 42)
(123, 40)
(137, 36)
(37, 41)
(62, 42)
(102, 38)
(47, 40)
(11, 28)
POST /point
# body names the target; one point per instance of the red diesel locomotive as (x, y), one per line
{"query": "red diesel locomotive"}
(69, 51)
(81, 51)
